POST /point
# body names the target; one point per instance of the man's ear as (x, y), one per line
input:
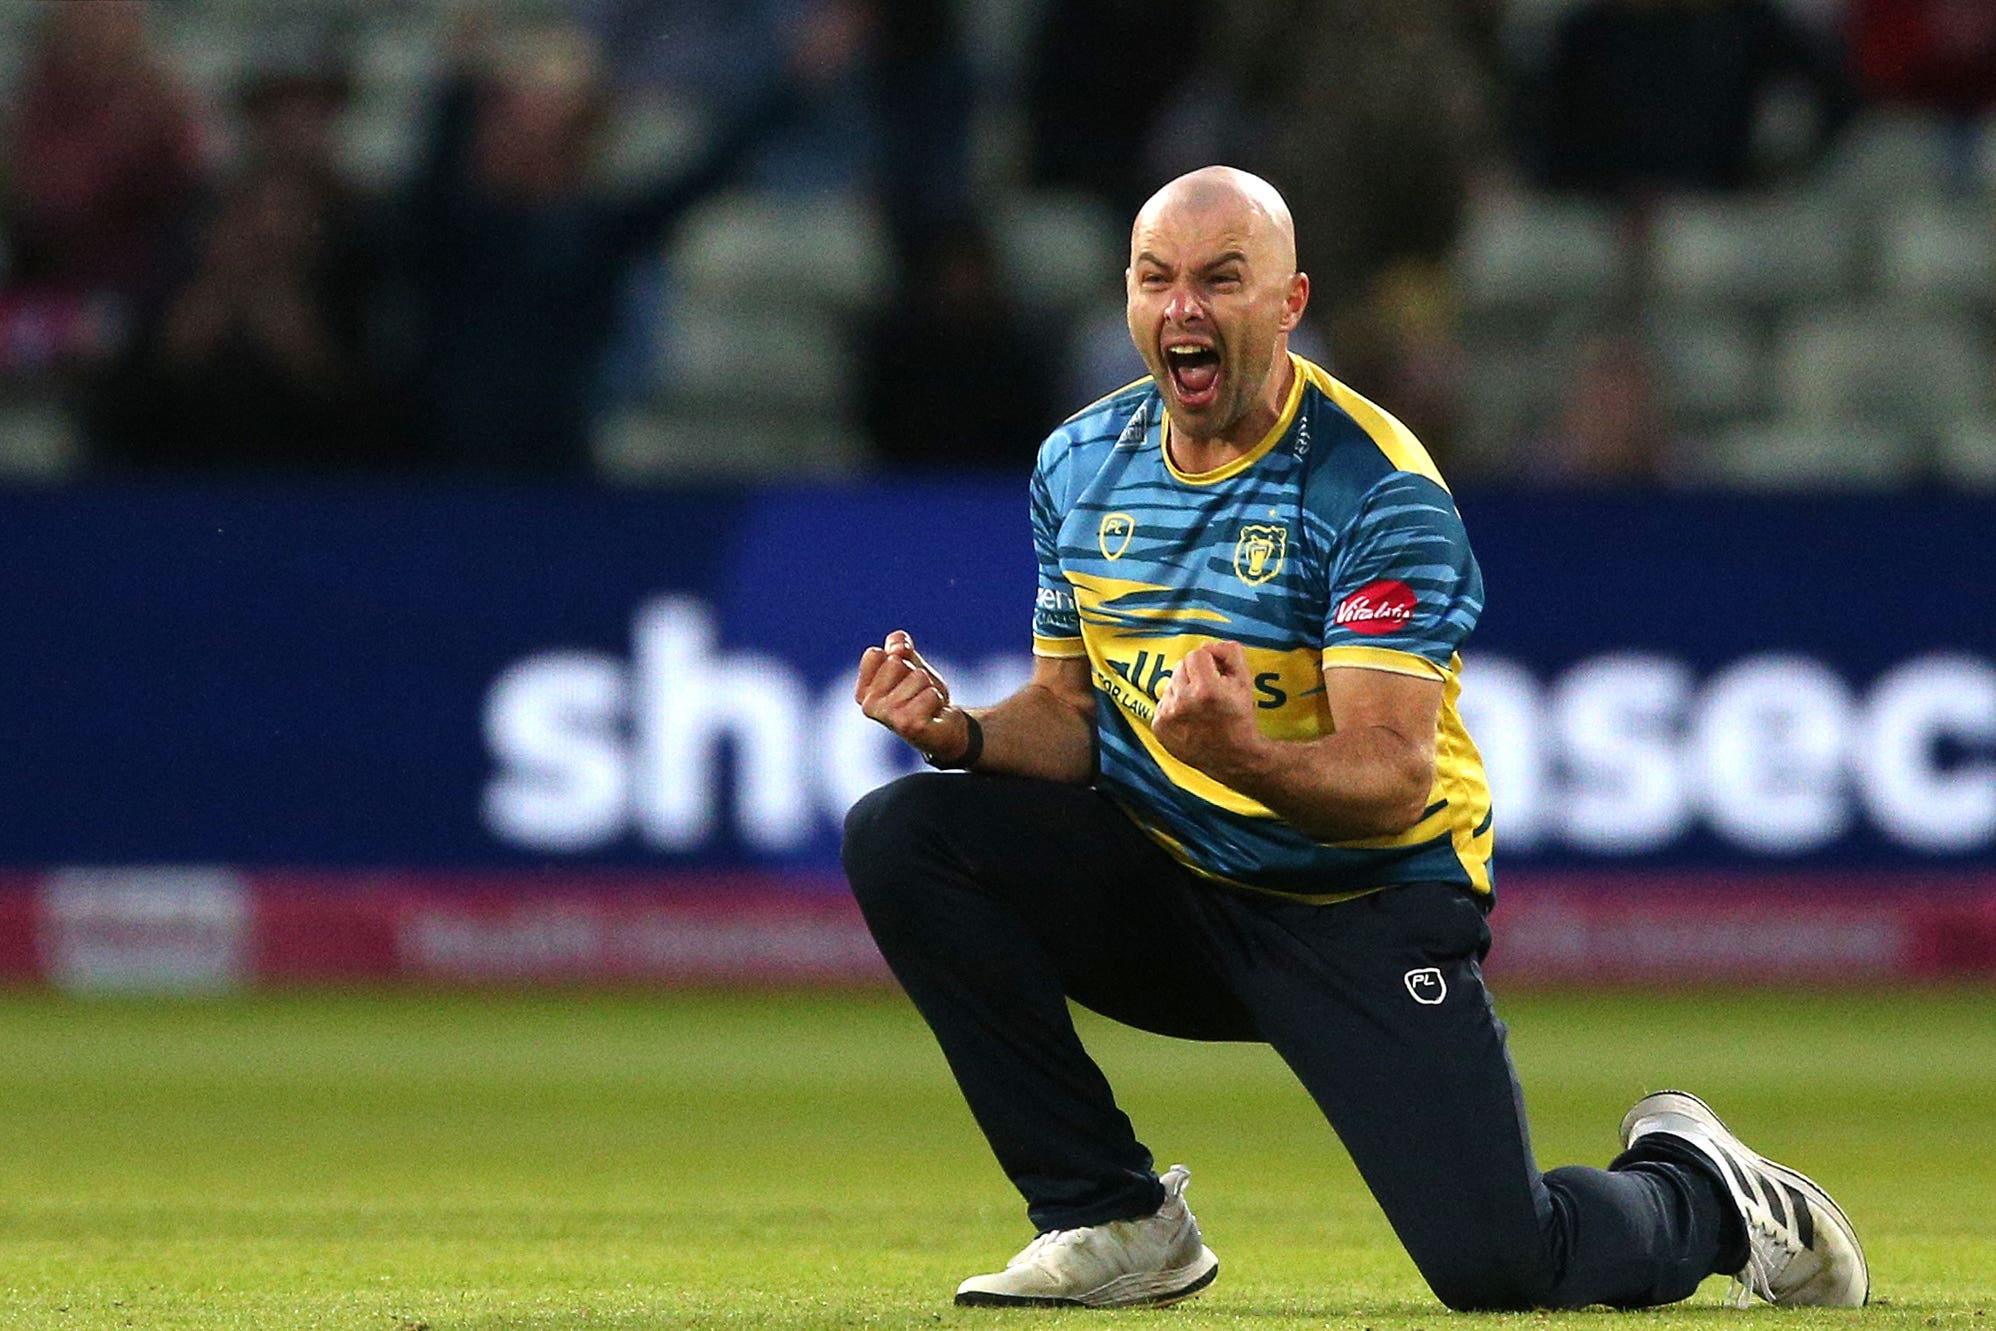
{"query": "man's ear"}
(1295, 301)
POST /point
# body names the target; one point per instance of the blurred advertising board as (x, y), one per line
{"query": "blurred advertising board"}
(527, 719)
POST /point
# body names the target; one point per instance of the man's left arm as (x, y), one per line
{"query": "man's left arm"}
(1370, 777)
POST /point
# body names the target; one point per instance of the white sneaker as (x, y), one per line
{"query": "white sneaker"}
(1801, 1247)
(1153, 1259)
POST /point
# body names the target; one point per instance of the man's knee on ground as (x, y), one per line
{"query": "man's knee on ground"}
(1485, 1297)
(1490, 1288)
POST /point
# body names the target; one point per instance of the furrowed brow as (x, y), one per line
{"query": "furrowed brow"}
(1230, 257)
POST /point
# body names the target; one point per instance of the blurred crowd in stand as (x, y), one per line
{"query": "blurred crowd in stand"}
(660, 239)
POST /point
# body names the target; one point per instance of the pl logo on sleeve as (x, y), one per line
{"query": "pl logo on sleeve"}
(1115, 533)
(1427, 986)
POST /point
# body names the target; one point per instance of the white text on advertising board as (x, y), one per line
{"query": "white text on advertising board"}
(1614, 755)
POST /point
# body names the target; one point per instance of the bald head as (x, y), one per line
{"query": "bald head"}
(1224, 198)
(1213, 294)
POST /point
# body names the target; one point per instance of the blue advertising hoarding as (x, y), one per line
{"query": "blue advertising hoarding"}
(445, 677)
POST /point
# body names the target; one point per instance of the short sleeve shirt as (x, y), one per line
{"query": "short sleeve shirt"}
(1334, 543)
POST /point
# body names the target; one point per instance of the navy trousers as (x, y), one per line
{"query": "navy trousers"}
(996, 899)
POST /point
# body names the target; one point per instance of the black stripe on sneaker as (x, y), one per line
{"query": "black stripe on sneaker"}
(1739, 1176)
(1774, 1203)
(1805, 1223)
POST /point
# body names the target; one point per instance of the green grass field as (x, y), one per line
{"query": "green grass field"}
(395, 1161)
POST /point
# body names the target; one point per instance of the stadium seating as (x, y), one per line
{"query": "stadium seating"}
(1859, 293)
(1809, 455)
(693, 444)
(1510, 393)
(756, 357)
(1711, 368)
(652, 133)
(1967, 454)
(1523, 250)
(1758, 253)
(1938, 253)
(1857, 362)
(1884, 156)
(819, 250)
(38, 440)
(1853, 303)
(1057, 249)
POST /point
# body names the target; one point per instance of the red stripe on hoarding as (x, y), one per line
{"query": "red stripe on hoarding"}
(18, 957)
(628, 927)
(1744, 927)
(575, 929)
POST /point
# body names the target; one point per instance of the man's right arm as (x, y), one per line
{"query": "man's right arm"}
(1045, 730)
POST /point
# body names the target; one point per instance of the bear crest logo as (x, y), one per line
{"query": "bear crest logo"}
(1259, 553)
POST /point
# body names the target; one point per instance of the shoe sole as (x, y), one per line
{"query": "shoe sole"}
(1138, 1290)
(1690, 1106)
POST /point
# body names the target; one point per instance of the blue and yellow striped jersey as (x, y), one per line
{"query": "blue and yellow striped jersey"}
(1334, 542)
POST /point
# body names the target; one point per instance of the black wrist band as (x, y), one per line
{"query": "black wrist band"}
(971, 751)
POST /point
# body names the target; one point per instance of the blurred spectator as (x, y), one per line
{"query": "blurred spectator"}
(291, 102)
(1092, 108)
(922, 90)
(517, 256)
(724, 55)
(1612, 429)
(103, 159)
(901, 115)
(290, 99)
(954, 377)
(1640, 96)
(1939, 55)
(252, 362)
(685, 63)
(1401, 344)
(1373, 120)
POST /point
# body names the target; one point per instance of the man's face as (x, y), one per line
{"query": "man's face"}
(1210, 305)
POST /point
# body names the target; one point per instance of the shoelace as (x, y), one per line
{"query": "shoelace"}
(1053, 1238)
(1761, 1269)
(1174, 1182)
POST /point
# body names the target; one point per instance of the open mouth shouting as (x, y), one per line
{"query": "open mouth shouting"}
(1195, 373)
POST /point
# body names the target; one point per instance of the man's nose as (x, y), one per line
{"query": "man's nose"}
(1184, 307)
